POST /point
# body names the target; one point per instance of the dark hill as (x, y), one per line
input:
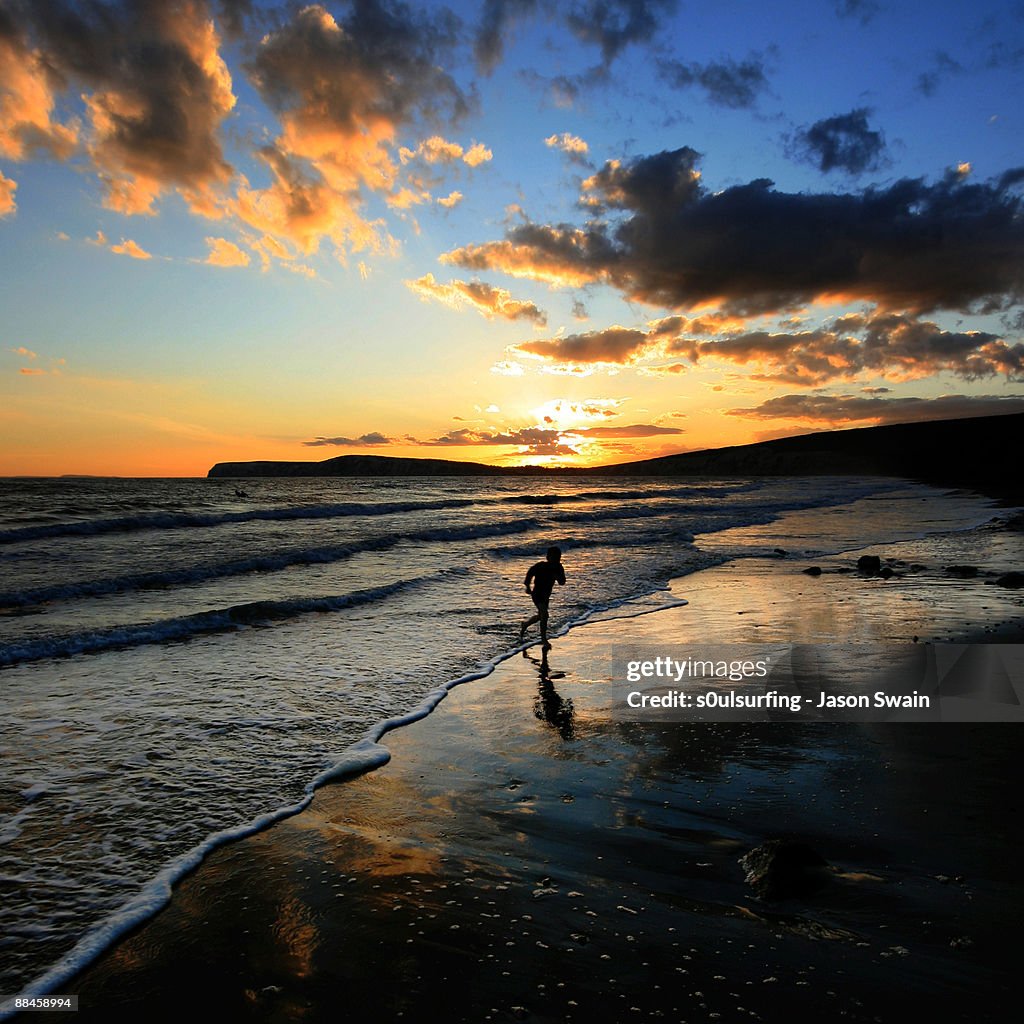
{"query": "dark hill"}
(369, 465)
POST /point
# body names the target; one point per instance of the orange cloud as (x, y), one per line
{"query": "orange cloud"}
(406, 197)
(900, 346)
(551, 264)
(130, 248)
(226, 254)
(477, 154)
(155, 89)
(484, 298)
(7, 190)
(26, 105)
(154, 127)
(434, 150)
(571, 145)
(29, 371)
(616, 345)
(301, 208)
(451, 200)
(269, 248)
(341, 92)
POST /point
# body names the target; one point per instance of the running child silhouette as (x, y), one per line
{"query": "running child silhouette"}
(544, 575)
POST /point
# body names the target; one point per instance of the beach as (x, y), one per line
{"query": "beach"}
(507, 511)
(524, 855)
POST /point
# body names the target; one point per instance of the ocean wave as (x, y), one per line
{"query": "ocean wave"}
(340, 510)
(188, 520)
(257, 563)
(185, 627)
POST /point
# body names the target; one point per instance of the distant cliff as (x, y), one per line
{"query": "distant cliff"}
(368, 465)
(983, 453)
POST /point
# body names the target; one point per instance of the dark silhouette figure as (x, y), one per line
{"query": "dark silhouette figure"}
(549, 706)
(543, 576)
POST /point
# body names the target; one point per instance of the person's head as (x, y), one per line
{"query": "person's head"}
(554, 554)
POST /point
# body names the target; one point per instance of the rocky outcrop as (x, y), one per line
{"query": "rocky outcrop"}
(783, 869)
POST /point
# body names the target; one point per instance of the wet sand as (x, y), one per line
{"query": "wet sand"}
(525, 857)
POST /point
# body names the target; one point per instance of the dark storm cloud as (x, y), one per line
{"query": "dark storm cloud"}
(661, 237)
(844, 142)
(726, 83)
(850, 408)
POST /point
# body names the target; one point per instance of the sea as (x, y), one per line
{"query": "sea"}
(184, 661)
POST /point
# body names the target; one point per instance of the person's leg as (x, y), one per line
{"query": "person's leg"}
(529, 622)
(543, 617)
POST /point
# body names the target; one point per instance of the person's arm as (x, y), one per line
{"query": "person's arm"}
(561, 575)
(529, 576)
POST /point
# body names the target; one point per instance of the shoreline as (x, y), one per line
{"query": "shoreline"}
(422, 784)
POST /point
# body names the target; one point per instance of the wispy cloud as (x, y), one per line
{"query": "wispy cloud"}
(726, 83)
(127, 247)
(632, 430)
(496, 21)
(612, 25)
(609, 25)
(898, 345)
(838, 409)
(860, 10)
(373, 439)
(484, 298)
(7, 190)
(575, 148)
(224, 253)
(438, 150)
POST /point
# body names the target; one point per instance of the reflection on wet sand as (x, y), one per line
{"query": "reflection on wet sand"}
(548, 705)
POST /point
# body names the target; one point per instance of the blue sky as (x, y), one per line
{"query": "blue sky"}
(509, 231)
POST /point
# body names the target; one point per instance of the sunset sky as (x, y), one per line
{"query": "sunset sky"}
(502, 231)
